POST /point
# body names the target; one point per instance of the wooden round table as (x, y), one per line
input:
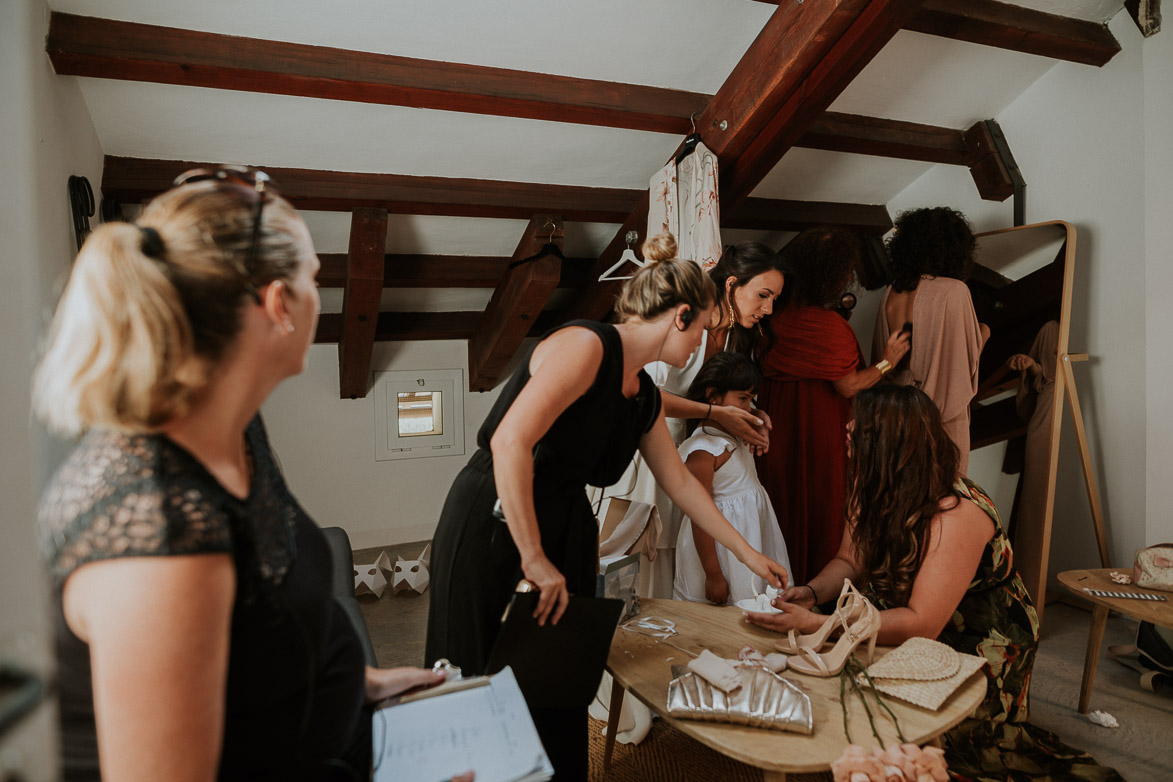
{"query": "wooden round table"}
(642, 665)
(1157, 612)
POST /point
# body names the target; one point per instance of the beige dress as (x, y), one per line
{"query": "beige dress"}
(943, 359)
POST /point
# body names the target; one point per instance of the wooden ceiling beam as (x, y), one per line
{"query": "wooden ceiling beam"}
(1013, 27)
(360, 301)
(406, 326)
(803, 58)
(133, 179)
(444, 271)
(1016, 28)
(885, 138)
(103, 48)
(517, 301)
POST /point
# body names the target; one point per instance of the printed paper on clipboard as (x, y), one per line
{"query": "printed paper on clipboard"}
(486, 729)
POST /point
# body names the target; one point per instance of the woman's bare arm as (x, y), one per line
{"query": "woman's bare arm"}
(562, 368)
(158, 630)
(867, 377)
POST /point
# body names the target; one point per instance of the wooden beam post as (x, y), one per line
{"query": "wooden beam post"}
(804, 57)
(516, 303)
(360, 301)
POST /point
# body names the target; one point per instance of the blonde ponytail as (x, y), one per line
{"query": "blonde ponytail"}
(119, 344)
(134, 336)
(665, 282)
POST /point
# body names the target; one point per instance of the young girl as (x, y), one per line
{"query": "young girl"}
(706, 570)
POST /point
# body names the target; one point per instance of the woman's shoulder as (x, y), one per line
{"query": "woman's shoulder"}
(969, 508)
(122, 495)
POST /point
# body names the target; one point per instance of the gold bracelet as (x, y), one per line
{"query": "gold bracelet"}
(884, 366)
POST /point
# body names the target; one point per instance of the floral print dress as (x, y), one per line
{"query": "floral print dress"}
(996, 620)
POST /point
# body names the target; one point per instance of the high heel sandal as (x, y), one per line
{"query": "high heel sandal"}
(847, 608)
(865, 628)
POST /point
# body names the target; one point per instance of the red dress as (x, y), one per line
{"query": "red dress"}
(805, 470)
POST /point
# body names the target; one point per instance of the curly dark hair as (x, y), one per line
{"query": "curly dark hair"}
(823, 261)
(934, 240)
(743, 262)
(902, 464)
(723, 372)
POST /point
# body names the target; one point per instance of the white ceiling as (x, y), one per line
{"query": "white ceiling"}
(683, 44)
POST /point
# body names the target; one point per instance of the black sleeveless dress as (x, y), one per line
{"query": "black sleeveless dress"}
(475, 564)
(294, 704)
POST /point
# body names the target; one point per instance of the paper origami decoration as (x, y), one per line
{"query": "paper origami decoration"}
(370, 580)
(411, 574)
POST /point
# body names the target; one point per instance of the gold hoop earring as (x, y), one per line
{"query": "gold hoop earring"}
(729, 304)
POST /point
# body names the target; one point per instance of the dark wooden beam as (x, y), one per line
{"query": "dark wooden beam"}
(102, 48)
(1013, 27)
(517, 301)
(444, 271)
(1019, 29)
(360, 302)
(885, 138)
(768, 214)
(406, 326)
(800, 62)
(133, 179)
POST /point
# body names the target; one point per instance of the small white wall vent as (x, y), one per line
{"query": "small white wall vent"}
(419, 414)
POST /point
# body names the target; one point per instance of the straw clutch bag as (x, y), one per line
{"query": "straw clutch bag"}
(922, 671)
(764, 700)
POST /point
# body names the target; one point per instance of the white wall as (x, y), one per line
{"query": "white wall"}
(327, 447)
(1158, 191)
(1080, 136)
(47, 136)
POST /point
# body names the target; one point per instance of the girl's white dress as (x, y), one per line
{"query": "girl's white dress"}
(741, 498)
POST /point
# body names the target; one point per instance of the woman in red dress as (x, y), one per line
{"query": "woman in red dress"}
(810, 374)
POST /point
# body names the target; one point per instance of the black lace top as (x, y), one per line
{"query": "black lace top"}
(294, 699)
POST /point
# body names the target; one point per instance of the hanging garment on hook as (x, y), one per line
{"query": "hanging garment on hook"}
(683, 201)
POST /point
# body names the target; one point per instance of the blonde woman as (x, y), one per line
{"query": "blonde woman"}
(196, 634)
(573, 414)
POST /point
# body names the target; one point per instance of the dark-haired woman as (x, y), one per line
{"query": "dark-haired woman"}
(927, 548)
(810, 374)
(931, 253)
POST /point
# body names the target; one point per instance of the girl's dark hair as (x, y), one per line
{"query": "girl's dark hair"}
(724, 372)
(902, 464)
(743, 262)
(823, 261)
(934, 240)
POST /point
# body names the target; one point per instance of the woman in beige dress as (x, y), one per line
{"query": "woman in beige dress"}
(931, 253)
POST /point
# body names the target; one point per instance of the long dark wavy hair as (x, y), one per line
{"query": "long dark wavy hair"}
(823, 261)
(902, 464)
(934, 240)
(743, 262)
(723, 372)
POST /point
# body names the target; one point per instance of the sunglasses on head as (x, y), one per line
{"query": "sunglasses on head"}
(248, 177)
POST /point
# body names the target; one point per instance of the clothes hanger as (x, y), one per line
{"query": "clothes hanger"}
(690, 141)
(628, 256)
(549, 248)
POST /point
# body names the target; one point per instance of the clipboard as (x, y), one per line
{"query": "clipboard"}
(556, 665)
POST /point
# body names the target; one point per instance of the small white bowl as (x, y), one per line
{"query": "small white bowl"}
(750, 605)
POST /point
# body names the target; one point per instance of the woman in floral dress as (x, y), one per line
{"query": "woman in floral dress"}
(928, 549)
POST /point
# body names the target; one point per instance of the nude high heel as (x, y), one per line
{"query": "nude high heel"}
(865, 628)
(847, 608)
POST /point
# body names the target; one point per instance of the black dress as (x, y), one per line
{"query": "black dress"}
(475, 564)
(295, 691)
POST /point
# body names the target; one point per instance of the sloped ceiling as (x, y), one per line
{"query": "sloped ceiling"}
(690, 45)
